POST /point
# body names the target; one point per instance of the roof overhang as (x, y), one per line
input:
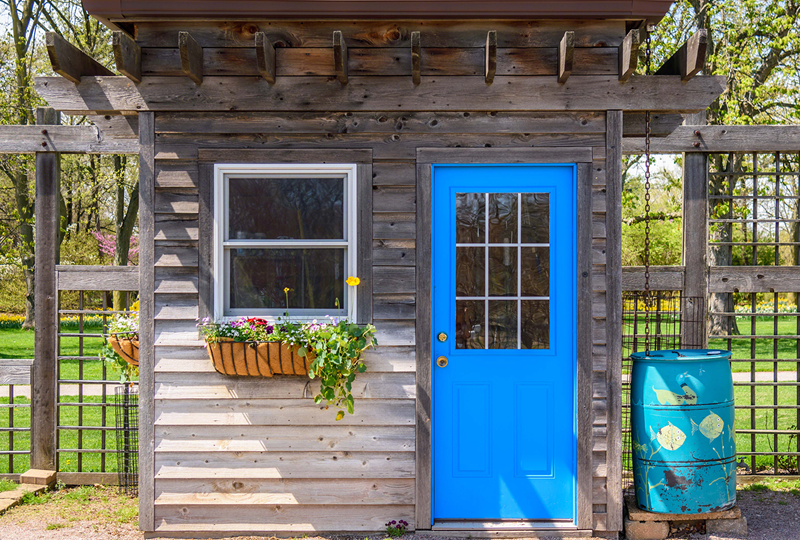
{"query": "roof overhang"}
(131, 10)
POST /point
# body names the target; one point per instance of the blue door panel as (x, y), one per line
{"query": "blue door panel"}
(504, 420)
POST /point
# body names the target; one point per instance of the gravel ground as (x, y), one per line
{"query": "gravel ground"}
(100, 514)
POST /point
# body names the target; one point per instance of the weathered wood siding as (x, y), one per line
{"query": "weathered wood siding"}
(239, 455)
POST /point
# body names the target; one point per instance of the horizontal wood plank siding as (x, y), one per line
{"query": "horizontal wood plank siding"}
(245, 455)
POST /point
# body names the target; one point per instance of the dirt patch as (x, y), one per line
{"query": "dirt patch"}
(84, 513)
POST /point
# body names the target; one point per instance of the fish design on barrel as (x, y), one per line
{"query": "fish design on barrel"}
(669, 436)
(711, 426)
(667, 397)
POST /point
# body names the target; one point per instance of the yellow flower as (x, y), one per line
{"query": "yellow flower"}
(286, 290)
(353, 281)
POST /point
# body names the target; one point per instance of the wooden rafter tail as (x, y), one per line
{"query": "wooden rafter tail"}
(128, 56)
(689, 59)
(265, 57)
(491, 56)
(340, 56)
(70, 62)
(566, 55)
(191, 57)
(416, 58)
(629, 55)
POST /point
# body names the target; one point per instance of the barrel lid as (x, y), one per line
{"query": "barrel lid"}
(681, 355)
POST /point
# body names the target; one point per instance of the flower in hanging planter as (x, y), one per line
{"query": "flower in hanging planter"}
(352, 281)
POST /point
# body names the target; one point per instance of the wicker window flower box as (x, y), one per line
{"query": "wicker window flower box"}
(257, 358)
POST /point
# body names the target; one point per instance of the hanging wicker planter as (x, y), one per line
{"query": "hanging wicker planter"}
(126, 345)
(257, 358)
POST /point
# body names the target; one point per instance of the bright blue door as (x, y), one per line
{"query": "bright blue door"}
(504, 342)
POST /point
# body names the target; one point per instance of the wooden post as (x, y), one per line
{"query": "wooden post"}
(340, 56)
(265, 57)
(146, 318)
(614, 318)
(43, 375)
(566, 54)
(191, 57)
(416, 58)
(491, 56)
(695, 255)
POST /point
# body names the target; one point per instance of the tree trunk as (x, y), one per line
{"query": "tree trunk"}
(25, 211)
(721, 255)
(123, 223)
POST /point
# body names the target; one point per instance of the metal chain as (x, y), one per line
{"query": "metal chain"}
(647, 296)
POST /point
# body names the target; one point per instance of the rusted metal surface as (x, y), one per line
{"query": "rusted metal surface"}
(652, 10)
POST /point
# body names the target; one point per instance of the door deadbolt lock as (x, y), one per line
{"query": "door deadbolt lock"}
(442, 337)
(441, 361)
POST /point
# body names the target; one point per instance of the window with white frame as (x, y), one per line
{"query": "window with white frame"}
(284, 227)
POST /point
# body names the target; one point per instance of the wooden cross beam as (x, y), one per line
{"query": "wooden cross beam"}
(689, 59)
(491, 56)
(69, 61)
(191, 57)
(628, 55)
(566, 54)
(265, 57)
(416, 58)
(128, 56)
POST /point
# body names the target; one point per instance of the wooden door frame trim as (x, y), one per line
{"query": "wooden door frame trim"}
(424, 381)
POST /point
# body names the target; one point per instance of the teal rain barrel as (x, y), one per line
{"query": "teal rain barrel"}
(683, 443)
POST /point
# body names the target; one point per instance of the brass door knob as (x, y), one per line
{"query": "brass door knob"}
(441, 361)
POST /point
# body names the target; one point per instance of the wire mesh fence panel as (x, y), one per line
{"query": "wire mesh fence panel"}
(673, 321)
(86, 429)
(126, 407)
(754, 222)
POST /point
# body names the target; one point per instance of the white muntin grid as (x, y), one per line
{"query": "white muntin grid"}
(518, 245)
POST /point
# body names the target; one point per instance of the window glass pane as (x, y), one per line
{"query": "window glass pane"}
(470, 218)
(502, 324)
(285, 208)
(535, 324)
(535, 271)
(259, 276)
(502, 218)
(503, 271)
(470, 271)
(535, 218)
(470, 323)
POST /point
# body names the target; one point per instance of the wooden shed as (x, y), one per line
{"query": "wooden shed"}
(464, 160)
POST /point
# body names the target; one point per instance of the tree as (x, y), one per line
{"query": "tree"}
(756, 45)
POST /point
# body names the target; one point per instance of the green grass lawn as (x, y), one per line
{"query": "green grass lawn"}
(17, 343)
(95, 415)
(764, 419)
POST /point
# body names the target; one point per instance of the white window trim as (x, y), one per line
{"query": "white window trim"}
(221, 277)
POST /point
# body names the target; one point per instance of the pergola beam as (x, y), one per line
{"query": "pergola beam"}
(491, 56)
(109, 95)
(191, 57)
(720, 139)
(128, 56)
(628, 55)
(62, 139)
(265, 57)
(70, 62)
(340, 57)
(689, 59)
(566, 56)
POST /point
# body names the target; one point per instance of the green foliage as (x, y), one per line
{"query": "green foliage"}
(337, 348)
(396, 528)
(7, 485)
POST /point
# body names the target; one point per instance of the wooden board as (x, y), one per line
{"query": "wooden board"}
(15, 371)
(721, 139)
(115, 94)
(748, 279)
(97, 278)
(286, 34)
(64, 139)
